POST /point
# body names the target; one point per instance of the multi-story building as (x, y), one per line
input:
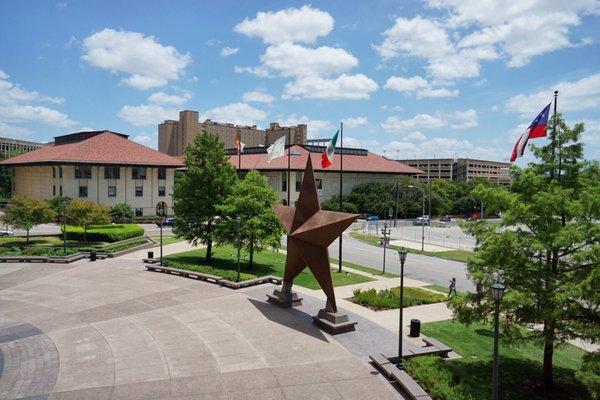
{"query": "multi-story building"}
(174, 136)
(100, 166)
(11, 146)
(460, 169)
(359, 166)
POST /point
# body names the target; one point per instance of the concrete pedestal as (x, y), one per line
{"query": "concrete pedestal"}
(284, 297)
(333, 322)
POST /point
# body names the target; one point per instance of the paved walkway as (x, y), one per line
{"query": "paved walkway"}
(111, 330)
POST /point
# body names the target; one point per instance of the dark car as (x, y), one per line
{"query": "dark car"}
(446, 218)
(166, 222)
(372, 218)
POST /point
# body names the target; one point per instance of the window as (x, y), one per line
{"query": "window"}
(112, 172)
(53, 190)
(162, 173)
(138, 173)
(298, 181)
(60, 190)
(139, 191)
(83, 172)
(139, 212)
(112, 191)
(53, 172)
(83, 191)
(60, 172)
(284, 181)
(161, 191)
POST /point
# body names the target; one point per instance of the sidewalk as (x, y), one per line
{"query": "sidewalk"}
(167, 249)
(417, 245)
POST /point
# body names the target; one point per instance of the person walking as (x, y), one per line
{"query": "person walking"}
(452, 287)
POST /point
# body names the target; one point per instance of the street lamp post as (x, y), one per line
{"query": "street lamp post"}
(238, 220)
(497, 293)
(402, 255)
(422, 215)
(64, 224)
(385, 232)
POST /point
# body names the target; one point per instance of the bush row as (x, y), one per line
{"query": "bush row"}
(105, 233)
(390, 298)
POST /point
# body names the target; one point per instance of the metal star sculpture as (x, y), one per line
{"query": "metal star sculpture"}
(311, 230)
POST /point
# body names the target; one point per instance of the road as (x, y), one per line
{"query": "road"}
(425, 268)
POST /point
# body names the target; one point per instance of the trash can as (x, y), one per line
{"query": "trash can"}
(150, 254)
(93, 256)
(415, 328)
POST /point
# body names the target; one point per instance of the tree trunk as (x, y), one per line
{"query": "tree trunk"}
(251, 255)
(27, 240)
(84, 235)
(208, 258)
(547, 374)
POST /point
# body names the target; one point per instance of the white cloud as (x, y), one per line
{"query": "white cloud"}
(352, 87)
(415, 136)
(147, 114)
(443, 147)
(237, 113)
(148, 63)
(418, 86)
(258, 96)
(12, 93)
(304, 24)
(355, 122)
(171, 99)
(456, 120)
(229, 51)
(582, 94)
(314, 127)
(12, 131)
(193, 79)
(591, 135)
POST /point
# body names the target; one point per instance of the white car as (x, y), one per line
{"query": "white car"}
(6, 232)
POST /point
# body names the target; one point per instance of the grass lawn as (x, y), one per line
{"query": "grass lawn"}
(439, 288)
(454, 255)
(56, 240)
(224, 264)
(470, 377)
(167, 239)
(53, 245)
(362, 268)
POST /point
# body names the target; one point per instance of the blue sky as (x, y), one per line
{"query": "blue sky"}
(425, 78)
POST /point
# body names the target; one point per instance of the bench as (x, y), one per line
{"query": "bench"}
(23, 259)
(401, 377)
(151, 260)
(442, 349)
(185, 273)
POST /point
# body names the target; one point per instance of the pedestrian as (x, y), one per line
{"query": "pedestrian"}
(452, 287)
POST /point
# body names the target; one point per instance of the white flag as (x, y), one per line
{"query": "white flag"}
(277, 149)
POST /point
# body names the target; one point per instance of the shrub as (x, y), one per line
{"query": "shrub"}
(390, 298)
(205, 269)
(123, 246)
(105, 233)
(435, 378)
(121, 212)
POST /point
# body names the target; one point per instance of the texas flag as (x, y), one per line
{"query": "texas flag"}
(537, 129)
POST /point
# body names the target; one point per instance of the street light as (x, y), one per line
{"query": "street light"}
(385, 231)
(497, 293)
(402, 256)
(422, 214)
(238, 220)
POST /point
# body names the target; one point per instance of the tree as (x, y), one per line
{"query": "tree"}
(373, 197)
(85, 214)
(251, 201)
(121, 212)
(6, 174)
(197, 193)
(589, 375)
(546, 251)
(333, 204)
(25, 213)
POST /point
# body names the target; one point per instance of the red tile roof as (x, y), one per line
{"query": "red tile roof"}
(371, 162)
(104, 147)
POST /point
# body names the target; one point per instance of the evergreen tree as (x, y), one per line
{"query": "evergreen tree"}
(206, 184)
(547, 250)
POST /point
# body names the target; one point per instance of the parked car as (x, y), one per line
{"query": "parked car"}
(421, 221)
(446, 218)
(372, 218)
(6, 232)
(167, 222)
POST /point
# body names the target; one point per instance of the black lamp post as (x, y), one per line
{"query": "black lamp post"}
(402, 255)
(497, 293)
(238, 220)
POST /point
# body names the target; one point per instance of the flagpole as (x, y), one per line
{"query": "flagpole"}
(554, 133)
(341, 185)
(289, 184)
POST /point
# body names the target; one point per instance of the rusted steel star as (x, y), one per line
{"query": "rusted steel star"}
(311, 230)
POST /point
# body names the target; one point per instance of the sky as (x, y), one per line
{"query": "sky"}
(433, 78)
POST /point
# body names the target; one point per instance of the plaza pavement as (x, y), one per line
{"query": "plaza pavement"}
(111, 330)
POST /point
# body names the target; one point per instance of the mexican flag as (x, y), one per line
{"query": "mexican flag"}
(327, 156)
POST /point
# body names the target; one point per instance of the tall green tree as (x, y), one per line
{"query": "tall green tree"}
(25, 213)
(197, 193)
(6, 174)
(546, 251)
(251, 200)
(85, 214)
(121, 212)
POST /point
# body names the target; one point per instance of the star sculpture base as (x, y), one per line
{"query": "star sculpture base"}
(310, 231)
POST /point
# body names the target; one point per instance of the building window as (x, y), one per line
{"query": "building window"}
(139, 191)
(161, 191)
(53, 190)
(83, 172)
(112, 172)
(83, 191)
(112, 191)
(60, 172)
(60, 190)
(162, 173)
(53, 172)
(139, 212)
(298, 181)
(138, 173)
(284, 181)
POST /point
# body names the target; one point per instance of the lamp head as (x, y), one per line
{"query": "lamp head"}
(498, 291)
(402, 254)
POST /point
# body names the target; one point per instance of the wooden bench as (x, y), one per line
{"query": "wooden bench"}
(184, 273)
(23, 259)
(401, 377)
(151, 260)
(442, 349)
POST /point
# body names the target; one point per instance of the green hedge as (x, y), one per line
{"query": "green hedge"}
(390, 298)
(106, 233)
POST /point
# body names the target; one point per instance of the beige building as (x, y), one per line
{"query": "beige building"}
(461, 169)
(10, 146)
(174, 136)
(101, 166)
